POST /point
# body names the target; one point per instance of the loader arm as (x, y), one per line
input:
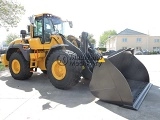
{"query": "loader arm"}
(91, 55)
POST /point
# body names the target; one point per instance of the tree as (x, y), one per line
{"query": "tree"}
(10, 37)
(10, 13)
(91, 39)
(104, 37)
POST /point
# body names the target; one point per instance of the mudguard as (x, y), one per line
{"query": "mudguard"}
(14, 47)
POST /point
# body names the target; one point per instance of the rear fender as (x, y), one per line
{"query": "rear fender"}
(23, 48)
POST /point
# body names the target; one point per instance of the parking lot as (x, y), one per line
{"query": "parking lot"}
(37, 99)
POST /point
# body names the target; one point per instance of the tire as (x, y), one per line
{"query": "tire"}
(86, 78)
(71, 73)
(21, 73)
(44, 71)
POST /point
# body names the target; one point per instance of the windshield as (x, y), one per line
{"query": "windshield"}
(56, 24)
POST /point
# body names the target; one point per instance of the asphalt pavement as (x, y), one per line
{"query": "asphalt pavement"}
(37, 99)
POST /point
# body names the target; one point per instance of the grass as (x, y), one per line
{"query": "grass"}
(1, 67)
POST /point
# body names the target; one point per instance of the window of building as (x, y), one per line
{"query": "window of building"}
(5, 45)
(139, 40)
(156, 49)
(156, 40)
(124, 40)
(138, 48)
(124, 47)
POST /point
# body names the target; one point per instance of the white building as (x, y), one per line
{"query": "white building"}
(132, 39)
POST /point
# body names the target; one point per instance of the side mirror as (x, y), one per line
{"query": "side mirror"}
(31, 19)
(70, 24)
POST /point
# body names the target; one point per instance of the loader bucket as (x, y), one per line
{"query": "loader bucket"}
(122, 79)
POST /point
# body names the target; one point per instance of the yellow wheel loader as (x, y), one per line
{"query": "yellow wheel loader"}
(119, 79)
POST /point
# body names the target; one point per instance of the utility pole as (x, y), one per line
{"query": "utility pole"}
(109, 41)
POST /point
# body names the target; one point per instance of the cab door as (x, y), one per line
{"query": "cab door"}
(37, 40)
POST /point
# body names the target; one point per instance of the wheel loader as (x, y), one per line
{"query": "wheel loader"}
(119, 79)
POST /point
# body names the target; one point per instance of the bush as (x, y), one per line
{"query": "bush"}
(1, 67)
(153, 52)
(102, 49)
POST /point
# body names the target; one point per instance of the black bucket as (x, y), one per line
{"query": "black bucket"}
(122, 79)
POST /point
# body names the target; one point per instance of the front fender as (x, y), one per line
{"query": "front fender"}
(53, 48)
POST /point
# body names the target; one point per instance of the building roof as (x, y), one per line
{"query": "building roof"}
(130, 32)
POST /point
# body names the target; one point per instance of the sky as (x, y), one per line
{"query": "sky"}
(96, 16)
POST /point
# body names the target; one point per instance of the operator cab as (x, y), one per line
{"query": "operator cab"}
(46, 25)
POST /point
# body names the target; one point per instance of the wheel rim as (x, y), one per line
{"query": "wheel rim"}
(58, 70)
(16, 66)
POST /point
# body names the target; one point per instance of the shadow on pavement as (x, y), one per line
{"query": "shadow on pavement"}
(78, 95)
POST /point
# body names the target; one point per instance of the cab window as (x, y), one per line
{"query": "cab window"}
(38, 28)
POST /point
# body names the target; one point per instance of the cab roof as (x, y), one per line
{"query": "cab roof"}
(38, 15)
